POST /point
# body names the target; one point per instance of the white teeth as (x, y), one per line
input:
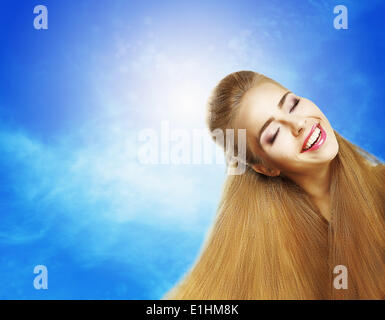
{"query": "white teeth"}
(315, 135)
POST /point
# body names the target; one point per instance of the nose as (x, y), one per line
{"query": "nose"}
(296, 123)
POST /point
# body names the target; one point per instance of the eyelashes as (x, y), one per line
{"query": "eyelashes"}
(294, 105)
(272, 139)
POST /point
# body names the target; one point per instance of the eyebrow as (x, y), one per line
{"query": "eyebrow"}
(280, 104)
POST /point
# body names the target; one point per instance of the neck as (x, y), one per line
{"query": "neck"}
(317, 185)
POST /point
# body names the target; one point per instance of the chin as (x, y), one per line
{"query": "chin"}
(333, 147)
(332, 152)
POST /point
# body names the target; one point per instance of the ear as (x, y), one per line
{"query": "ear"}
(260, 168)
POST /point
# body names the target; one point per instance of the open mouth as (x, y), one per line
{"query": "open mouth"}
(315, 139)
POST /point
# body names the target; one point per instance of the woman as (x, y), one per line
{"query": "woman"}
(308, 202)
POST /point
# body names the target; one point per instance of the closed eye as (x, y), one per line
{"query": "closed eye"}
(294, 105)
(271, 140)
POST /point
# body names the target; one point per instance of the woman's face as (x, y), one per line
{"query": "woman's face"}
(289, 132)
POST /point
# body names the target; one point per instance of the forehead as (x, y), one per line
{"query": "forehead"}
(259, 103)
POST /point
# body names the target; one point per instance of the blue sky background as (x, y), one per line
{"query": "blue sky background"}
(73, 98)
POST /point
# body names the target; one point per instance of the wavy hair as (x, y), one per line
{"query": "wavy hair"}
(269, 241)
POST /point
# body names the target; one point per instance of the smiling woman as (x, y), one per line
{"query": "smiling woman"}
(296, 141)
(309, 201)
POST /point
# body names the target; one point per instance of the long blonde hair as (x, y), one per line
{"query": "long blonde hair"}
(270, 242)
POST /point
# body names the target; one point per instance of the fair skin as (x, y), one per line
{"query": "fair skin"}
(278, 124)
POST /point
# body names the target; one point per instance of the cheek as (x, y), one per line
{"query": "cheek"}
(286, 147)
(315, 111)
(283, 152)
